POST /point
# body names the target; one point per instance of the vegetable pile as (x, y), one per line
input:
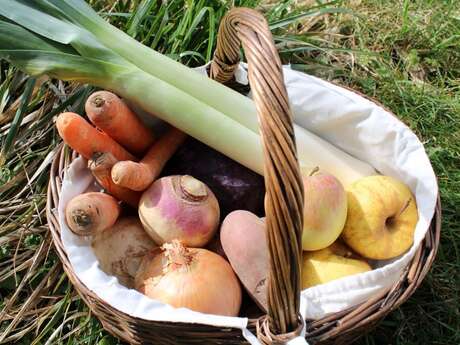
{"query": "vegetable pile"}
(193, 196)
(161, 251)
(182, 249)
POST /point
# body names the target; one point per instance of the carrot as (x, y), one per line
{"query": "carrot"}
(100, 165)
(92, 212)
(138, 176)
(87, 140)
(110, 114)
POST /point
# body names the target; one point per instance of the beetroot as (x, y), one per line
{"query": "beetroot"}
(235, 186)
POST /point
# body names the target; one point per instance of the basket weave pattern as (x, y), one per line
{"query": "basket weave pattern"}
(283, 206)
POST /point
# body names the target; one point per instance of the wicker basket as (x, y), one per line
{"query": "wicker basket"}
(283, 206)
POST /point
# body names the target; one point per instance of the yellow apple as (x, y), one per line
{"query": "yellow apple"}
(382, 215)
(333, 262)
(325, 210)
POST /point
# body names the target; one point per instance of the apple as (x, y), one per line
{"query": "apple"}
(382, 215)
(325, 210)
(334, 262)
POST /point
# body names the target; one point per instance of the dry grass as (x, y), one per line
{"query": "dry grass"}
(404, 53)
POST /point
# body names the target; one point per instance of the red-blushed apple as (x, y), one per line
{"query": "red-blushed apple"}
(325, 210)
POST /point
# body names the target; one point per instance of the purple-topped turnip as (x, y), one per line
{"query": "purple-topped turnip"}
(179, 207)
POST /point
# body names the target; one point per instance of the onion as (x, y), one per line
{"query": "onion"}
(179, 208)
(192, 278)
(121, 248)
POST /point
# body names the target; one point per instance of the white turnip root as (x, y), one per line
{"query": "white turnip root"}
(121, 248)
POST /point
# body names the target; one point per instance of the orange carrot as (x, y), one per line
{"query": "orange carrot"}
(110, 114)
(100, 165)
(92, 212)
(138, 176)
(87, 140)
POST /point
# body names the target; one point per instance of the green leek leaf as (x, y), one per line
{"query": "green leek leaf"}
(68, 40)
(37, 55)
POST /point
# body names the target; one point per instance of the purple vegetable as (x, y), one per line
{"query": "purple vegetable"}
(235, 187)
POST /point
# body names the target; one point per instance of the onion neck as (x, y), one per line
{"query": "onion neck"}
(178, 257)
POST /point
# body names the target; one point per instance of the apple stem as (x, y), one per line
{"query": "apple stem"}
(389, 222)
(406, 205)
(313, 171)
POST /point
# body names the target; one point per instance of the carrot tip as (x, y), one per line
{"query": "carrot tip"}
(98, 101)
(81, 218)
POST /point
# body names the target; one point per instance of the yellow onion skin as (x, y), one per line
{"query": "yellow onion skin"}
(192, 278)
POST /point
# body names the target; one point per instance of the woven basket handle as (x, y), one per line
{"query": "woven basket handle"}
(284, 189)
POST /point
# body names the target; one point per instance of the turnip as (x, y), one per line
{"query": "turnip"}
(120, 249)
(180, 208)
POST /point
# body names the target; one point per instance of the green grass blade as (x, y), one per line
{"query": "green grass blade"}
(147, 36)
(59, 310)
(161, 30)
(212, 33)
(4, 92)
(192, 27)
(70, 100)
(197, 56)
(9, 141)
(139, 16)
(293, 19)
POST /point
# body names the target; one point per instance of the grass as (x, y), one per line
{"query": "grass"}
(404, 53)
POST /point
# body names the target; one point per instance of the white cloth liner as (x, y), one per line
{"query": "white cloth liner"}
(342, 117)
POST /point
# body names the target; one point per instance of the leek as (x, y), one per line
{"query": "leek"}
(66, 39)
